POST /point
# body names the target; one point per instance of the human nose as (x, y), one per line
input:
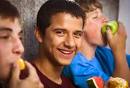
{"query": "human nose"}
(18, 46)
(70, 42)
(104, 19)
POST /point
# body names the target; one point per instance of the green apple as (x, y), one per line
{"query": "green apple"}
(112, 25)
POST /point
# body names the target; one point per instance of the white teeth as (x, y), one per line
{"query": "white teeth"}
(66, 52)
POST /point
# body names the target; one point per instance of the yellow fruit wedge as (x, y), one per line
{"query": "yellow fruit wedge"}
(21, 64)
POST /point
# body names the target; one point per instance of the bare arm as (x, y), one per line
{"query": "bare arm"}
(117, 43)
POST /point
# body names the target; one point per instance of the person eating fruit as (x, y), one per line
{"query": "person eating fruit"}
(11, 49)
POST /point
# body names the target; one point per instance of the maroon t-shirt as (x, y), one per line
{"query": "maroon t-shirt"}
(66, 83)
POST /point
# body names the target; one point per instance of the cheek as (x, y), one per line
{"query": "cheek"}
(94, 25)
(3, 54)
(53, 43)
(4, 67)
(92, 29)
(78, 43)
(5, 50)
(57, 41)
(6, 54)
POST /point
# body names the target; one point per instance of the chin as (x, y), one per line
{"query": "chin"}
(103, 45)
(64, 63)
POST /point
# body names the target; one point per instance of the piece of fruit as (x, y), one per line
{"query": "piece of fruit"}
(117, 83)
(112, 25)
(95, 82)
(21, 64)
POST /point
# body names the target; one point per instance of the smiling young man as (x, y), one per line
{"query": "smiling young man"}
(59, 33)
(11, 49)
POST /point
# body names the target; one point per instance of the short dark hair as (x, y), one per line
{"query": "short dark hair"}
(7, 10)
(89, 5)
(52, 7)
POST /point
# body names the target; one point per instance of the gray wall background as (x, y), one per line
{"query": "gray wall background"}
(124, 16)
(29, 8)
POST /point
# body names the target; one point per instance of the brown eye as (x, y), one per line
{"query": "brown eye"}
(78, 34)
(60, 33)
(5, 33)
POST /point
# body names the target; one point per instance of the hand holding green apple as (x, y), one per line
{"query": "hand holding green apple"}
(112, 25)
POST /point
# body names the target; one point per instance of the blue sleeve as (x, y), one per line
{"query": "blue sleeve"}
(106, 59)
(128, 59)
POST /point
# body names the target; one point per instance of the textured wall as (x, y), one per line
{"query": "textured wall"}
(124, 16)
(28, 10)
(110, 8)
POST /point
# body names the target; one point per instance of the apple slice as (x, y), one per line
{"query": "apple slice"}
(112, 25)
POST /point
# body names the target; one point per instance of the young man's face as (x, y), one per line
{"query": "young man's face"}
(94, 22)
(62, 38)
(11, 47)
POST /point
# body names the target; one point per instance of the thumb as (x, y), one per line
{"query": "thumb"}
(109, 34)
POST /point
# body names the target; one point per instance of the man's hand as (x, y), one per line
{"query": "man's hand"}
(117, 42)
(32, 81)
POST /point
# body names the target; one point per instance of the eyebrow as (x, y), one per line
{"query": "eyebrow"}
(77, 31)
(2, 29)
(80, 31)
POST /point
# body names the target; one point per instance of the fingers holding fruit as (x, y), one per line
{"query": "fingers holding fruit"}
(18, 73)
(23, 68)
(112, 25)
(15, 73)
(114, 32)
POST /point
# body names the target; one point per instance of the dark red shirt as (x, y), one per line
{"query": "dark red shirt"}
(66, 83)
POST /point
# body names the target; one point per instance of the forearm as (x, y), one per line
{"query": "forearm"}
(121, 66)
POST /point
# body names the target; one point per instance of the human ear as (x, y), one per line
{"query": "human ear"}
(38, 35)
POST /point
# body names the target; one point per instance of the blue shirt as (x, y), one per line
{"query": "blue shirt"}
(106, 59)
(82, 69)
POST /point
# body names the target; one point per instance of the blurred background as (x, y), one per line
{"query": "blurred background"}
(114, 9)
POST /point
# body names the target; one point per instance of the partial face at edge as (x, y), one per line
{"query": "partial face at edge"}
(11, 47)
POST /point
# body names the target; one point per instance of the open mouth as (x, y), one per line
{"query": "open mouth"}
(66, 51)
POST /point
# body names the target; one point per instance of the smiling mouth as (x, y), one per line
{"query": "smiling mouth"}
(66, 52)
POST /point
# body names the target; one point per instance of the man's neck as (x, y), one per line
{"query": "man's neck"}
(88, 50)
(50, 71)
